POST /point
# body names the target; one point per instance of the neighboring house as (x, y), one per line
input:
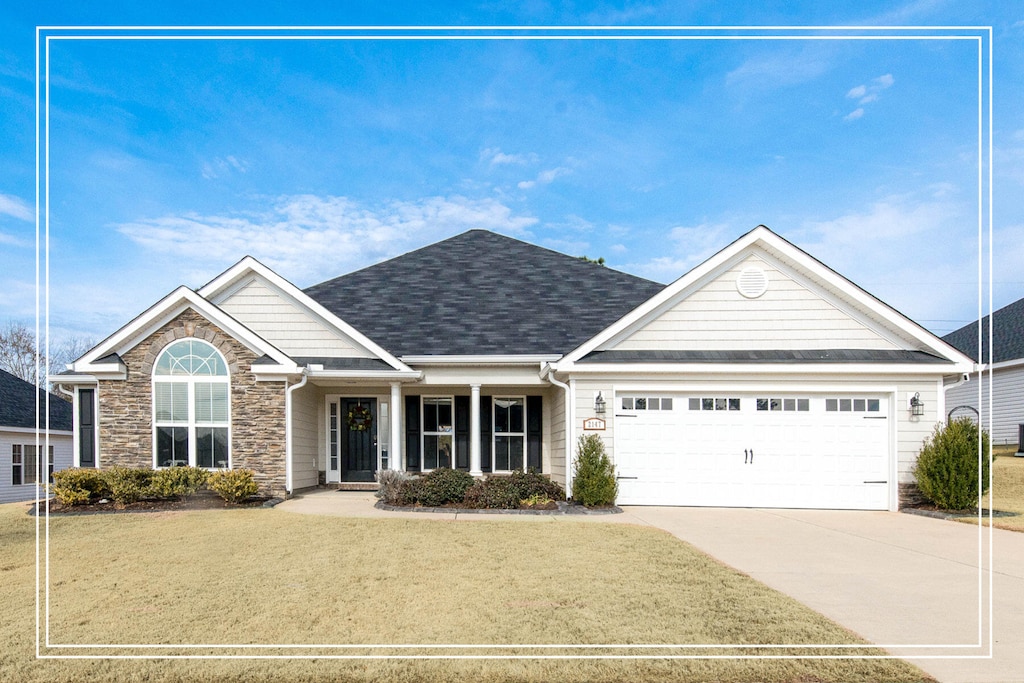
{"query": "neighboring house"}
(21, 439)
(1007, 373)
(761, 378)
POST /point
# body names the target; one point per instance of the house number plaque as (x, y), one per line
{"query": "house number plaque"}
(593, 424)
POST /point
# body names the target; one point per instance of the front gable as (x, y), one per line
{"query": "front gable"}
(754, 302)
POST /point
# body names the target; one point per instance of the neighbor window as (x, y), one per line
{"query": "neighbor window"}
(509, 433)
(191, 396)
(25, 464)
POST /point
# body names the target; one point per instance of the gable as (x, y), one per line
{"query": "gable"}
(792, 313)
(280, 320)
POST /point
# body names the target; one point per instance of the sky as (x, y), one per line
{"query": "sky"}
(170, 160)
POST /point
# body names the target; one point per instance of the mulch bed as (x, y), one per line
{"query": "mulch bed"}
(203, 500)
(932, 511)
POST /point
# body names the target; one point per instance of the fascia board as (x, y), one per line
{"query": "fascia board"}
(41, 430)
(74, 379)
(641, 369)
(1002, 365)
(247, 265)
(356, 374)
(510, 359)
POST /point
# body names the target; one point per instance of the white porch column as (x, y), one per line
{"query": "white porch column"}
(395, 461)
(474, 431)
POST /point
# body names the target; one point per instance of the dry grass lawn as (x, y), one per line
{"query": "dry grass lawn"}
(1007, 489)
(271, 577)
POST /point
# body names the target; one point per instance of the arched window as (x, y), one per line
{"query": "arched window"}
(191, 400)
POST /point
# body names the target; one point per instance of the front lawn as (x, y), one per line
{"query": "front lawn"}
(1007, 491)
(268, 576)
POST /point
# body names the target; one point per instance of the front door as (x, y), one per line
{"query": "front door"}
(358, 438)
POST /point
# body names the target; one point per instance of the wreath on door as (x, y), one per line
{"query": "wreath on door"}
(359, 418)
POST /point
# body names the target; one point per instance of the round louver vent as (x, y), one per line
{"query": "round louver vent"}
(752, 282)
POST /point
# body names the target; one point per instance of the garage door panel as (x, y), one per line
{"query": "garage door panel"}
(800, 458)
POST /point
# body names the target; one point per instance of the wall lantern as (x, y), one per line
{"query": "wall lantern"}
(599, 403)
(916, 405)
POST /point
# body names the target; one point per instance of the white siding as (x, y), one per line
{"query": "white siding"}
(305, 435)
(286, 325)
(1007, 402)
(554, 450)
(61, 460)
(788, 315)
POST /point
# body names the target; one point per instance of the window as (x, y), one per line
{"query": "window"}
(852, 405)
(801, 405)
(714, 404)
(191, 397)
(438, 430)
(646, 403)
(509, 433)
(25, 464)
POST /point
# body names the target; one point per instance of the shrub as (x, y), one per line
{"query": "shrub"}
(508, 492)
(127, 484)
(410, 491)
(177, 482)
(79, 486)
(947, 468)
(594, 482)
(390, 485)
(234, 486)
(438, 487)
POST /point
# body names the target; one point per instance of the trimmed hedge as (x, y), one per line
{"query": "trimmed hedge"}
(177, 482)
(442, 486)
(79, 486)
(234, 486)
(947, 468)
(127, 484)
(501, 492)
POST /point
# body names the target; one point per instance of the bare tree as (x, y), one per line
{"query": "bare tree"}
(67, 351)
(18, 352)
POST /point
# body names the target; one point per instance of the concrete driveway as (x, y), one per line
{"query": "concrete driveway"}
(902, 581)
(907, 583)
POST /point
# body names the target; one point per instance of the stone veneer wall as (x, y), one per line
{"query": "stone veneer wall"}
(257, 408)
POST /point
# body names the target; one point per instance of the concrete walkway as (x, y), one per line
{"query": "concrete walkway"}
(907, 583)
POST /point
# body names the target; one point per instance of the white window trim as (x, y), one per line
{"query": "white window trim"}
(494, 435)
(23, 465)
(192, 424)
(424, 433)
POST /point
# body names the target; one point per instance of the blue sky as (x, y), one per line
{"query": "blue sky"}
(170, 160)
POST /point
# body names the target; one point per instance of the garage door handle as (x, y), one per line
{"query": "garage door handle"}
(877, 482)
(627, 477)
(748, 456)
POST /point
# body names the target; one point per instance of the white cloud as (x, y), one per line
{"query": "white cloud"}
(221, 167)
(307, 237)
(495, 157)
(544, 177)
(16, 208)
(688, 246)
(779, 69)
(866, 94)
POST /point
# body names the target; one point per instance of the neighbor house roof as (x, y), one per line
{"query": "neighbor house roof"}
(1007, 335)
(480, 293)
(18, 405)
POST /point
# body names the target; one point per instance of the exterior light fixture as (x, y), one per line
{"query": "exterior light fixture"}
(916, 405)
(599, 403)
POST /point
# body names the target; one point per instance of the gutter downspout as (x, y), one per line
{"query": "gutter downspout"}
(546, 373)
(288, 429)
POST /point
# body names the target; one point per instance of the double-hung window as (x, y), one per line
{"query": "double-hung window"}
(25, 464)
(191, 406)
(509, 433)
(438, 430)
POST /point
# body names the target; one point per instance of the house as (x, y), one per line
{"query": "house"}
(760, 378)
(1007, 373)
(21, 443)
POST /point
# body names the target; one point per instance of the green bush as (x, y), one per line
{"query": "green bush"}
(79, 486)
(947, 468)
(234, 486)
(593, 482)
(127, 484)
(410, 491)
(508, 492)
(438, 487)
(177, 482)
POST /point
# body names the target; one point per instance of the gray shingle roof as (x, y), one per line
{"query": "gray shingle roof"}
(1007, 335)
(18, 405)
(482, 293)
(765, 356)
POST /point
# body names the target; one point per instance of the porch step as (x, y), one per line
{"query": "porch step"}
(354, 486)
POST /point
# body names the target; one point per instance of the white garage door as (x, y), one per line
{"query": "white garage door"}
(753, 450)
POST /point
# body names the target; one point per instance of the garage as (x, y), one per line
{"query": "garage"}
(733, 449)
